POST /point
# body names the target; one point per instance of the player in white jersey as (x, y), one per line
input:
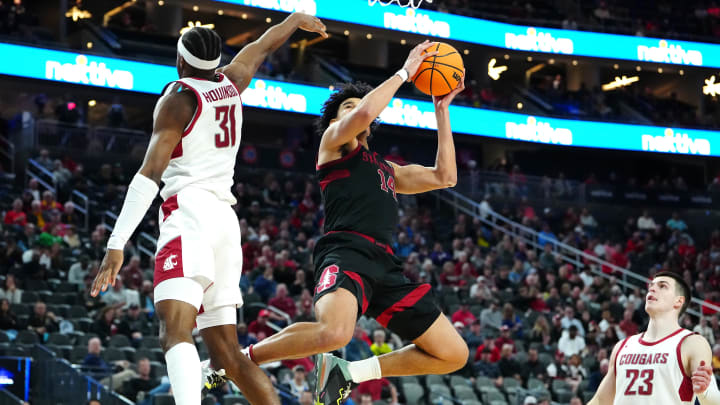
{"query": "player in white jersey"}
(192, 150)
(666, 364)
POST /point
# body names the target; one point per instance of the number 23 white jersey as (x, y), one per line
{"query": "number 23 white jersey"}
(205, 156)
(652, 373)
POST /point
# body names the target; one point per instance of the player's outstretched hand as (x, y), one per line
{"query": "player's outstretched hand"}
(701, 378)
(109, 269)
(311, 23)
(416, 57)
(444, 101)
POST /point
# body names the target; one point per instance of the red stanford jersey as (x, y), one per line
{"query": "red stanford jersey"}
(651, 373)
(205, 157)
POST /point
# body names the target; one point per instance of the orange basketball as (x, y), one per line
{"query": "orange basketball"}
(439, 75)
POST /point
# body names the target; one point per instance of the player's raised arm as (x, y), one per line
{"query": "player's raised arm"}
(413, 179)
(697, 355)
(244, 65)
(347, 128)
(174, 113)
(605, 394)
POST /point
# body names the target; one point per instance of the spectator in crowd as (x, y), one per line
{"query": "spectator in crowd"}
(375, 388)
(265, 283)
(133, 274)
(379, 345)
(11, 292)
(61, 175)
(645, 222)
(8, 320)
(463, 315)
(571, 342)
(79, 270)
(42, 321)
(484, 366)
(71, 237)
(556, 369)
(37, 216)
(359, 346)
(675, 223)
(282, 302)
(49, 203)
(507, 365)
(259, 328)
(93, 363)
(546, 235)
(533, 367)
(569, 320)
(120, 296)
(473, 336)
(704, 330)
(628, 326)
(491, 317)
(298, 383)
(16, 216)
(134, 324)
(105, 324)
(244, 337)
(69, 215)
(142, 382)
(597, 376)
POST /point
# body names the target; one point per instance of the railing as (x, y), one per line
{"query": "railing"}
(57, 381)
(46, 179)
(628, 279)
(52, 133)
(7, 154)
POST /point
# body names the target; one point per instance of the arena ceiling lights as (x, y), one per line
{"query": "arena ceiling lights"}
(501, 35)
(121, 74)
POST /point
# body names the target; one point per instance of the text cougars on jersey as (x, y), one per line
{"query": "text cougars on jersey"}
(84, 71)
(538, 131)
(644, 359)
(220, 94)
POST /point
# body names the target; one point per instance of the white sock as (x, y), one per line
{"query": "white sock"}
(183, 366)
(365, 370)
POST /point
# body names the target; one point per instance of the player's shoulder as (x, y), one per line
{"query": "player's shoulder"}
(177, 97)
(694, 339)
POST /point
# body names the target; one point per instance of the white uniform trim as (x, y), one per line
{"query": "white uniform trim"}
(183, 289)
(225, 315)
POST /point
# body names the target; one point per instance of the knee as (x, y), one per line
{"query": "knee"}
(171, 334)
(333, 337)
(455, 354)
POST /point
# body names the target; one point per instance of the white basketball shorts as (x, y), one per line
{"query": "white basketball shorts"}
(200, 241)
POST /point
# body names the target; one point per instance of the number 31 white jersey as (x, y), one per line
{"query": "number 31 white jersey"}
(205, 157)
(652, 373)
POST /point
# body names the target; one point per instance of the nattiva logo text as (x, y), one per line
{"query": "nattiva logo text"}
(84, 71)
(267, 96)
(416, 22)
(669, 53)
(399, 113)
(289, 6)
(538, 41)
(538, 131)
(675, 142)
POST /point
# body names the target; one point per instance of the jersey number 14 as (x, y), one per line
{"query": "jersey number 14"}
(223, 114)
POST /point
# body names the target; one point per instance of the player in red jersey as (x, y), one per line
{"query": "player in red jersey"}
(198, 262)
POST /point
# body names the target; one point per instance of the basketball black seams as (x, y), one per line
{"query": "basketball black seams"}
(437, 48)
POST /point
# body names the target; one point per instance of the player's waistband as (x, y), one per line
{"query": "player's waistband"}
(370, 239)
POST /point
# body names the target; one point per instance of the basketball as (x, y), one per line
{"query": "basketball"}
(440, 74)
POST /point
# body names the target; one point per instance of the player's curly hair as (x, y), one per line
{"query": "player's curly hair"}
(330, 108)
(203, 43)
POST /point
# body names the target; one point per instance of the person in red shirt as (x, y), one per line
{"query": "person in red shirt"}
(133, 274)
(502, 340)
(627, 325)
(16, 216)
(282, 302)
(685, 248)
(259, 327)
(464, 315)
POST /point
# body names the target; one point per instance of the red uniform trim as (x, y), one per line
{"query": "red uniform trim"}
(685, 391)
(644, 343)
(198, 110)
(169, 206)
(370, 239)
(617, 354)
(406, 302)
(332, 176)
(358, 280)
(171, 251)
(340, 160)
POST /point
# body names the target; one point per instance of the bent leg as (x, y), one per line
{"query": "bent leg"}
(336, 314)
(440, 350)
(217, 328)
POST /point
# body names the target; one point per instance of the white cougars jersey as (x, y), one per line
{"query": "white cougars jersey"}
(652, 373)
(205, 157)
